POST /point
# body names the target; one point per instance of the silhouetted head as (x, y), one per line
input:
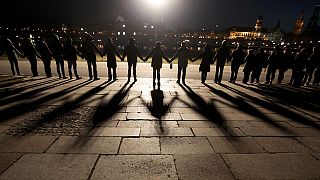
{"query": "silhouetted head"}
(108, 40)
(158, 44)
(87, 37)
(239, 47)
(224, 43)
(207, 47)
(131, 41)
(69, 41)
(55, 38)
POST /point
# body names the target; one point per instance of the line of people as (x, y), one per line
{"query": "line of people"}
(304, 64)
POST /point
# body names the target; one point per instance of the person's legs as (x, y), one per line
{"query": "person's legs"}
(114, 73)
(179, 74)
(135, 71)
(154, 76)
(94, 67)
(236, 70)
(109, 73)
(89, 68)
(58, 68)
(34, 68)
(281, 76)
(62, 68)
(12, 67)
(184, 72)
(129, 71)
(216, 78)
(204, 76)
(70, 64)
(158, 76)
(221, 73)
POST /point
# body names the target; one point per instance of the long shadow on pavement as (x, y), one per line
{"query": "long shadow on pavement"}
(275, 107)
(31, 105)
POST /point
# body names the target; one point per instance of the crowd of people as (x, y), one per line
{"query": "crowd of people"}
(305, 64)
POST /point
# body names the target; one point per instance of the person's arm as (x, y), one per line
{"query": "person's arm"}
(77, 52)
(124, 54)
(98, 50)
(139, 54)
(165, 57)
(149, 55)
(198, 57)
(17, 51)
(175, 55)
(116, 52)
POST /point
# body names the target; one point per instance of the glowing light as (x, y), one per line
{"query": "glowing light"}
(156, 3)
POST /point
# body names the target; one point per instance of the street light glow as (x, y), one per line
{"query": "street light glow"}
(158, 4)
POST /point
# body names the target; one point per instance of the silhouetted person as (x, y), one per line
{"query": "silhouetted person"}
(272, 63)
(11, 50)
(31, 53)
(298, 67)
(260, 62)
(206, 59)
(284, 63)
(221, 56)
(89, 50)
(157, 54)
(131, 51)
(57, 53)
(183, 54)
(316, 79)
(237, 58)
(111, 51)
(248, 68)
(70, 54)
(311, 65)
(45, 54)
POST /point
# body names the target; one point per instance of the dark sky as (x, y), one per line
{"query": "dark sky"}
(189, 14)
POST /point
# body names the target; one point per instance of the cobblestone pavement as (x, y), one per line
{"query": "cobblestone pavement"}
(80, 129)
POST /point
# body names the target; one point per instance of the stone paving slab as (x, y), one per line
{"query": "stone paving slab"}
(221, 145)
(185, 145)
(281, 145)
(140, 146)
(311, 142)
(109, 131)
(201, 166)
(197, 124)
(51, 166)
(245, 145)
(273, 166)
(217, 132)
(158, 132)
(142, 167)
(147, 124)
(36, 144)
(85, 145)
(7, 159)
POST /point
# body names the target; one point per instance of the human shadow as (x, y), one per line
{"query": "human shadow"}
(157, 107)
(207, 109)
(275, 104)
(15, 95)
(6, 83)
(30, 105)
(243, 106)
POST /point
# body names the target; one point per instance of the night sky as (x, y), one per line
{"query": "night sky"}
(185, 14)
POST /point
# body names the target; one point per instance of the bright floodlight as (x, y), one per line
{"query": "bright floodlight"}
(156, 3)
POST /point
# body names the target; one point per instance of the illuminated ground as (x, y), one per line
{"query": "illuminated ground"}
(68, 129)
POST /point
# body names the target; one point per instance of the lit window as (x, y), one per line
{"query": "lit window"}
(119, 33)
(134, 33)
(124, 33)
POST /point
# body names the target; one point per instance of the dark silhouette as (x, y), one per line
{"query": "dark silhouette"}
(46, 55)
(237, 58)
(284, 63)
(221, 56)
(183, 54)
(260, 62)
(298, 67)
(207, 59)
(111, 51)
(70, 54)
(272, 63)
(316, 79)
(311, 65)
(131, 51)
(89, 50)
(31, 53)
(57, 53)
(157, 54)
(157, 107)
(11, 50)
(248, 68)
